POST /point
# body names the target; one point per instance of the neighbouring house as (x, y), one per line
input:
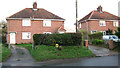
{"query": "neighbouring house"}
(99, 21)
(29, 21)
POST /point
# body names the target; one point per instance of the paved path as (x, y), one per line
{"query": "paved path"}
(20, 57)
(100, 51)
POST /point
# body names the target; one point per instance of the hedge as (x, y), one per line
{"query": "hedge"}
(98, 42)
(66, 39)
(95, 36)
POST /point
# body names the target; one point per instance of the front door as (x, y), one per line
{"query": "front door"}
(12, 38)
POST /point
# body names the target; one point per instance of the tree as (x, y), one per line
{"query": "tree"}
(3, 25)
(117, 33)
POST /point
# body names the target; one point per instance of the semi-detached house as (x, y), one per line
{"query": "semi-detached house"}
(99, 21)
(29, 21)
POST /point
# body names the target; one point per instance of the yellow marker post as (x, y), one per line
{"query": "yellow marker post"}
(57, 45)
(77, 19)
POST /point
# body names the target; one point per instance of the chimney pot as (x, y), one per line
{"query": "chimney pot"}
(35, 5)
(99, 9)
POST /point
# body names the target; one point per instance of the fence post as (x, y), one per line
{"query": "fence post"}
(86, 43)
(110, 44)
(33, 45)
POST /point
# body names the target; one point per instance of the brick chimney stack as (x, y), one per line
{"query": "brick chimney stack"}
(35, 5)
(99, 9)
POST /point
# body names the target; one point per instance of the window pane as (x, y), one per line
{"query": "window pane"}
(102, 23)
(26, 35)
(115, 23)
(92, 32)
(26, 22)
(47, 23)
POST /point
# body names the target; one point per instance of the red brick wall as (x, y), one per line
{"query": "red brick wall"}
(83, 26)
(94, 25)
(36, 27)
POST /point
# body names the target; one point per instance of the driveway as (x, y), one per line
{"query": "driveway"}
(100, 51)
(20, 57)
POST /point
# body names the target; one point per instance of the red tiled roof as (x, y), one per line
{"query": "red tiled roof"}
(98, 15)
(40, 13)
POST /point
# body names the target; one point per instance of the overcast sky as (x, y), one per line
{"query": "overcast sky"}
(62, 8)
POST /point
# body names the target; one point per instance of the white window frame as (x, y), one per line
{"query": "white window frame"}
(102, 23)
(47, 33)
(115, 23)
(23, 37)
(80, 25)
(61, 32)
(26, 22)
(47, 23)
(92, 31)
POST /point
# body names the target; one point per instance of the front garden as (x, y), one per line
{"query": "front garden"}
(117, 49)
(96, 40)
(44, 52)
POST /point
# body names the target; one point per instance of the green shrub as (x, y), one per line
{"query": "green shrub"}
(4, 53)
(117, 33)
(61, 39)
(95, 36)
(97, 41)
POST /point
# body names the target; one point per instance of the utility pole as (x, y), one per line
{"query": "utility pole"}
(76, 17)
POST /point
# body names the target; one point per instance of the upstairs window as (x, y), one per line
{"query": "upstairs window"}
(115, 24)
(102, 23)
(26, 22)
(47, 23)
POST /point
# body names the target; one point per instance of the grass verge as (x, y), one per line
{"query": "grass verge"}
(117, 49)
(4, 53)
(43, 52)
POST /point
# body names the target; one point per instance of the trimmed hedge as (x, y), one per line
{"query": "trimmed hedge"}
(98, 42)
(66, 39)
(96, 36)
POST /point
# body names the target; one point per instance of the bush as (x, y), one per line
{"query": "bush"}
(5, 53)
(118, 32)
(4, 41)
(97, 41)
(61, 39)
(95, 36)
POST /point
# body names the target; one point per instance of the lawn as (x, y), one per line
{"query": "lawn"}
(43, 52)
(4, 53)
